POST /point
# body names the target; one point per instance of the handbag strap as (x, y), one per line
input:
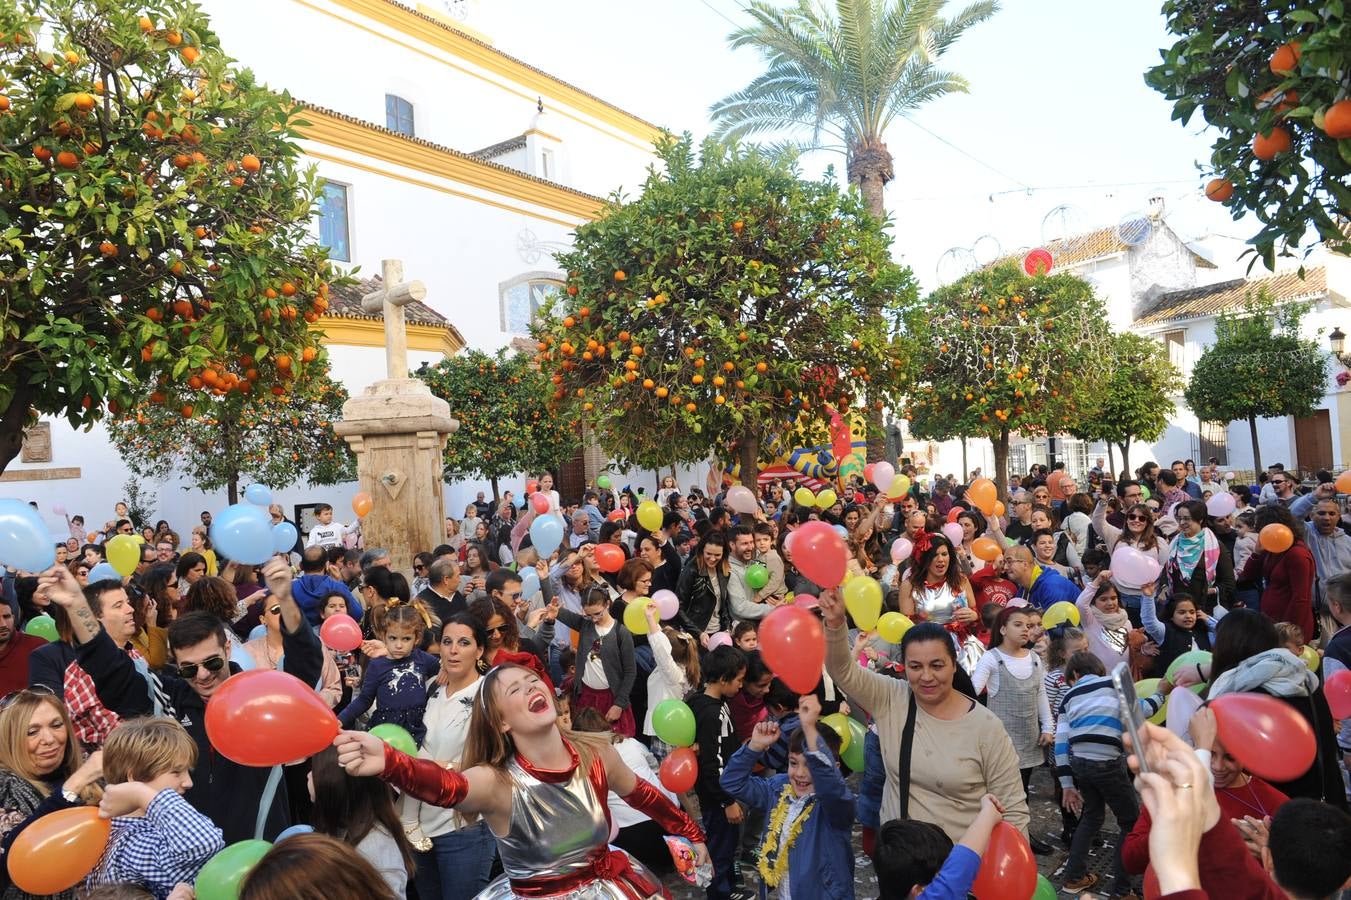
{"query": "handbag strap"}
(907, 747)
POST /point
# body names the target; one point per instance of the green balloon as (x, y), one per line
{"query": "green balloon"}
(603, 482)
(397, 737)
(223, 873)
(757, 576)
(1045, 890)
(673, 722)
(1144, 492)
(43, 626)
(853, 757)
(1190, 658)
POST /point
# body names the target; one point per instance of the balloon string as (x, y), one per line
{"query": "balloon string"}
(265, 804)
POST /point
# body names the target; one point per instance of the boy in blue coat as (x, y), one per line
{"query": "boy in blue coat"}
(805, 850)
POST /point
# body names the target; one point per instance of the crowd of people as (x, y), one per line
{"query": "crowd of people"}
(534, 684)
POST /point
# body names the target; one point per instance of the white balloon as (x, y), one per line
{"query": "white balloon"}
(741, 499)
(1221, 504)
(883, 473)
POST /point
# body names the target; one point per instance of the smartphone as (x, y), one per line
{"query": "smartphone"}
(1132, 716)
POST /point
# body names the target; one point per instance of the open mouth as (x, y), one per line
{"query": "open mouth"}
(537, 703)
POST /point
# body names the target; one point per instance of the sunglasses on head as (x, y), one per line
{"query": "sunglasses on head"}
(36, 690)
(212, 664)
(274, 610)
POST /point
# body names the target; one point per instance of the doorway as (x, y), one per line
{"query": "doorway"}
(1313, 442)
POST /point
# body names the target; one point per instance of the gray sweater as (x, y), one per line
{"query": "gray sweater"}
(616, 654)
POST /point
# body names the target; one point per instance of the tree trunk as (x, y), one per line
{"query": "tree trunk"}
(497, 497)
(13, 423)
(748, 454)
(966, 471)
(870, 168)
(1256, 452)
(1001, 463)
(1111, 461)
(232, 490)
(1126, 454)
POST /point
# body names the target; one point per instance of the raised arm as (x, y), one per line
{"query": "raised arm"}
(873, 691)
(478, 791)
(1110, 533)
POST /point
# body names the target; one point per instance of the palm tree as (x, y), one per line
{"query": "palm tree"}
(844, 77)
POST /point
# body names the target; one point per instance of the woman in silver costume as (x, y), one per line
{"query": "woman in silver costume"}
(542, 794)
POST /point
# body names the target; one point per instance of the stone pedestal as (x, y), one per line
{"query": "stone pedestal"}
(397, 428)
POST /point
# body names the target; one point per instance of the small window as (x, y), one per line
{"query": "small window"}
(1214, 441)
(546, 164)
(334, 223)
(1176, 342)
(398, 114)
(521, 301)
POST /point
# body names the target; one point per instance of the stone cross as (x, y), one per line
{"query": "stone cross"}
(394, 293)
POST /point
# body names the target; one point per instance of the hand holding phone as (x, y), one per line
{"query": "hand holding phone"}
(1132, 716)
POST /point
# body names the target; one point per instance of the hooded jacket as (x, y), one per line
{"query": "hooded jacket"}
(310, 590)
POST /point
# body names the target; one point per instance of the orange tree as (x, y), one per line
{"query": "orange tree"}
(1133, 400)
(225, 440)
(999, 352)
(153, 223)
(506, 428)
(1271, 76)
(729, 302)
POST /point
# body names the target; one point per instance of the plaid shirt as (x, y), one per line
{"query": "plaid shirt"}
(169, 844)
(92, 720)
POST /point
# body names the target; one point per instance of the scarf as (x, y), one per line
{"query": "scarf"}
(1276, 672)
(1186, 552)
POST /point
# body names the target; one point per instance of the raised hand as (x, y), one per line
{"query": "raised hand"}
(808, 711)
(277, 574)
(832, 608)
(764, 735)
(360, 752)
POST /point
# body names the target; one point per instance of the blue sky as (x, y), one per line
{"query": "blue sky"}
(1057, 104)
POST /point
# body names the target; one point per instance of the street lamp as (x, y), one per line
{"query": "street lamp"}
(1337, 343)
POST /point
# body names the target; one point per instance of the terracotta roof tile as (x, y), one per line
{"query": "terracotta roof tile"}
(1090, 245)
(494, 150)
(1212, 299)
(345, 303)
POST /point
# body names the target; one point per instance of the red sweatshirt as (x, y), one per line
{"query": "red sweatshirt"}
(1228, 870)
(1289, 577)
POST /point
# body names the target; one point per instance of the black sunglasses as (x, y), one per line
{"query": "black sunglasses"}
(39, 690)
(275, 610)
(212, 664)
(496, 629)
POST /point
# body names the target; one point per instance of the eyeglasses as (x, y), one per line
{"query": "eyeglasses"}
(515, 595)
(1183, 520)
(274, 610)
(418, 567)
(212, 664)
(1137, 517)
(496, 629)
(36, 690)
(1277, 482)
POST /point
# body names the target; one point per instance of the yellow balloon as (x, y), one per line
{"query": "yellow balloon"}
(140, 538)
(649, 515)
(839, 723)
(1056, 613)
(1310, 657)
(863, 599)
(899, 487)
(826, 499)
(635, 615)
(804, 497)
(1144, 689)
(123, 554)
(893, 626)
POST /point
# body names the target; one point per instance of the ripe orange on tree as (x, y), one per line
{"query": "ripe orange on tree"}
(67, 159)
(308, 354)
(108, 249)
(250, 163)
(1337, 120)
(1219, 189)
(83, 102)
(190, 55)
(288, 289)
(173, 38)
(1266, 146)
(1285, 59)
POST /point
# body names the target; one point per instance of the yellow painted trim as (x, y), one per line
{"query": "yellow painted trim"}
(453, 23)
(369, 141)
(459, 45)
(371, 333)
(545, 134)
(314, 154)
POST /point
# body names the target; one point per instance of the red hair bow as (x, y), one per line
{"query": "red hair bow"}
(921, 543)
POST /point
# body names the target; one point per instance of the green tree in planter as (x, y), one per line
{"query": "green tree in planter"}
(236, 438)
(154, 223)
(1258, 367)
(999, 352)
(730, 302)
(1271, 78)
(506, 427)
(1133, 399)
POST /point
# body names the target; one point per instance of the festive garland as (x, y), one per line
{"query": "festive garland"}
(773, 865)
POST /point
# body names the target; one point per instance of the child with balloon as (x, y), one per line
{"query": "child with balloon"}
(607, 670)
(394, 681)
(675, 674)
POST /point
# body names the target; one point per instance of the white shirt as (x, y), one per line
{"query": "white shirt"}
(329, 535)
(593, 675)
(667, 680)
(643, 764)
(986, 677)
(447, 721)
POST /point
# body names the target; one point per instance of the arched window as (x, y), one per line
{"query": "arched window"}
(522, 297)
(398, 114)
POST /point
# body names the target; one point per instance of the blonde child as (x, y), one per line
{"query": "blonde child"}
(396, 677)
(158, 840)
(675, 675)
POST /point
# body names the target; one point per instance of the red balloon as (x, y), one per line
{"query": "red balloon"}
(539, 503)
(340, 632)
(531, 486)
(1268, 737)
(954, 513)
(679, 771)
(868, 472)
(266, 718)
(1007, 870)
(616, 515)
(1338, 691)
(820, 553)
(793, 645)
(1037, 262)
(609, 558)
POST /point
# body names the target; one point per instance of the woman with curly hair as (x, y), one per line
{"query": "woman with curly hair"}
(215, 595)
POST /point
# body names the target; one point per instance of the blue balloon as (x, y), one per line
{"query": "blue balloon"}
(284, 537)
(242, 658)
(529, 583)
(103, 572)
(257, 632)
(25, 542)
(243, 533)
(293, 831)
(258, 495)
(841, 531)
(546, 533)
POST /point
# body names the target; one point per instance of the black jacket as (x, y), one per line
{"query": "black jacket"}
(717, 742)
(666, 577)
(698, 602)
(224, 790)
(121, 688)
(442, 608)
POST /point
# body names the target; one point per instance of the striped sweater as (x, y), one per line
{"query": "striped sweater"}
(1090, 725)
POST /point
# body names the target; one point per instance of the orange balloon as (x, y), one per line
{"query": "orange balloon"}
(982, 493)
(58, 850)
(998, 508)
(361, 504)
(1275, 538)
(609, 557)
(266, 718)
(985, 548)
(1007, 869)
(1343, 482)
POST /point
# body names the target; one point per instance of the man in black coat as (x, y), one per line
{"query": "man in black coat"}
(442, 593)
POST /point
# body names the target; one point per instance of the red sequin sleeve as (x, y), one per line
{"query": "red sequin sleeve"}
(424, 779)
(652, 803)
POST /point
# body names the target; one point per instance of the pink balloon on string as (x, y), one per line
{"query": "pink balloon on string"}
(901, 548)
(1221, 504)
(953, 532)
(668, 604)
(1134, 567)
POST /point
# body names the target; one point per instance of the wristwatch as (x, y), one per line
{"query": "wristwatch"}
(69, 795)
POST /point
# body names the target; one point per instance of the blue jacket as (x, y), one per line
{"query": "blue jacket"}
(874, 780)
(1051, 587)
(310, 590)
(821, 861)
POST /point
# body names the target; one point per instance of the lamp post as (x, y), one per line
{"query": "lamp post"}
(1337, 343)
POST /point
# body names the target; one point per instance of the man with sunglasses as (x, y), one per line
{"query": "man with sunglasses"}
(1282, 490)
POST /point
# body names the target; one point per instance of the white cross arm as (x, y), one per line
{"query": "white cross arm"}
(398, 294)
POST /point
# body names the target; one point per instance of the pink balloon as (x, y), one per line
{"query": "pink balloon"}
(340, 632)
(59, 509)
(806, 601)
(668, 604)
(1221, 504)
(539, 502)
(741, 499)
(1134, 567)
(883, 473)
(721, 639)
(953, 532)
(901, 548)
(1338, 690)
(820, 553)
